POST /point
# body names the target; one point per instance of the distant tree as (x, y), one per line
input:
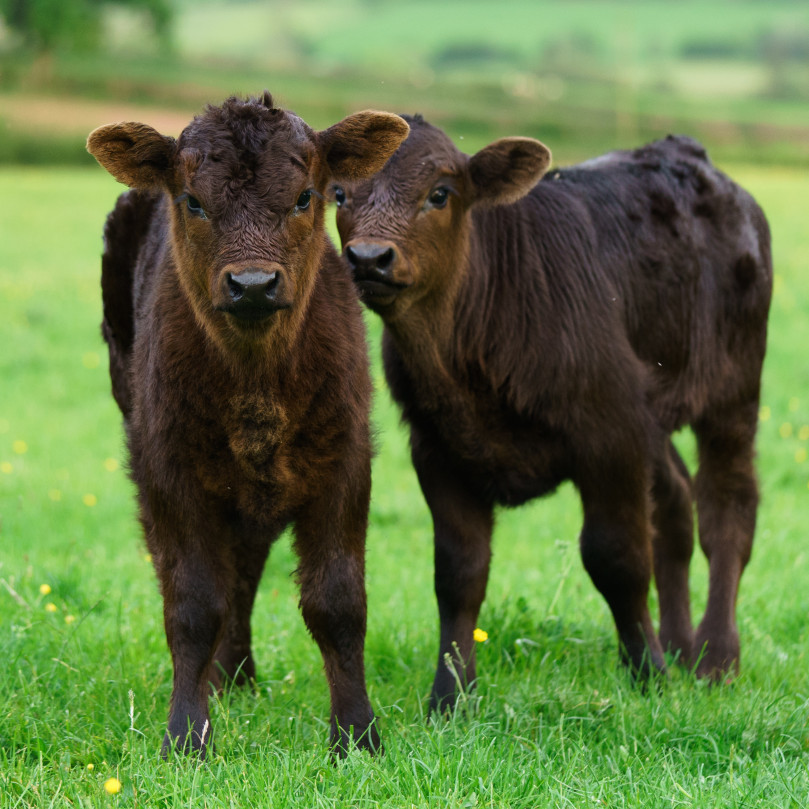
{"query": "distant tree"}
(72, 24)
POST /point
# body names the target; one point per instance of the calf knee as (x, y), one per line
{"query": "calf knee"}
(333, 603)
(618, 561)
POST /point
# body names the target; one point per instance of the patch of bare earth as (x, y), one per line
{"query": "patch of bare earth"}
(71, 116)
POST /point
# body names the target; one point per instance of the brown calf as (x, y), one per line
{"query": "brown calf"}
(237, 356)
(538, 332)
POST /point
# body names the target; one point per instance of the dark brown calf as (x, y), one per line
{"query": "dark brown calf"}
(538, 332)
(237, 356)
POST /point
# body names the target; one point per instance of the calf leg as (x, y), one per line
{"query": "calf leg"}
(616, 550)
(463, 526)
(330, 542)
(196, 589)
(673, 545)
(233, 660)
(727, 500)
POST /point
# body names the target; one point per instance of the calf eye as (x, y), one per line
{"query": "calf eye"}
(438, 197)
(303, 200)
(194, 207)
(339, 195)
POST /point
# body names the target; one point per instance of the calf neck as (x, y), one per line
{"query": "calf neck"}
(237, 357)
(563, 329)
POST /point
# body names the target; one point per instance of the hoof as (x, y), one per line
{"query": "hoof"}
(717, 658)
(368, 739)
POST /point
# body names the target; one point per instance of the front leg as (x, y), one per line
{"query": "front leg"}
(196, 581)
(462, 523)
(330, 543)
(233, 662)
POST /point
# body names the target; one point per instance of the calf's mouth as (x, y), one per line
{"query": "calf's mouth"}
(378, 293)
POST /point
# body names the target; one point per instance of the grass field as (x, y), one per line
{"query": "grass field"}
(84, 671)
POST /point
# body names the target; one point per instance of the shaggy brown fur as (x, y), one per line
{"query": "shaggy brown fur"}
(537, 332)
(237, 356)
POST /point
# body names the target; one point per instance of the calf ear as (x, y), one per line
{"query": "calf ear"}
(135, 154)
(507, 169)
(359, 145)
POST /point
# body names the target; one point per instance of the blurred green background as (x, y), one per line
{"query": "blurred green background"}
(583, 76)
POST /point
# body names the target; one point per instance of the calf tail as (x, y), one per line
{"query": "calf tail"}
(124, 233)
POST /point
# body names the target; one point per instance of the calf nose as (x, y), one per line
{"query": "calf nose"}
(252, 287)
(370, 260)
(253, 293)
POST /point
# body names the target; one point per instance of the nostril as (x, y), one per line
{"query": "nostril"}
(353, 258)
(272, 284)
(384, 261)
(235, 289)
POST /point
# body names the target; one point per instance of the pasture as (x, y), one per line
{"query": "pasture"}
(85, 675)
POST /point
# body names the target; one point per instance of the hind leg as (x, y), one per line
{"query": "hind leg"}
(616, 551)
(727, 499)
(673, 545)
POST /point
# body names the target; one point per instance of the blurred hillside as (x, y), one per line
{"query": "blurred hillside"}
(583, 76)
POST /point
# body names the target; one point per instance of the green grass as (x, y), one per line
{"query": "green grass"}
(554, 722)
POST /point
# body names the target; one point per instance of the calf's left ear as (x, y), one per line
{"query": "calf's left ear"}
(358, 146)
(135, 154)
(507, 169)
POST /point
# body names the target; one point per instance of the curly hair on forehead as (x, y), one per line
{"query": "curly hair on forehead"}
(247, 120)
(240, 107)
(239, 130)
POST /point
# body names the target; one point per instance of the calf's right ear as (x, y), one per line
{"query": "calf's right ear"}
(135, 154)
(506, 170)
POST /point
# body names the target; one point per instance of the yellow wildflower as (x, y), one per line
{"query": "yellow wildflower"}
(112, 786)
(51, 607)
(480, 635)
(89, 500)
(44, 589)
(19, 447)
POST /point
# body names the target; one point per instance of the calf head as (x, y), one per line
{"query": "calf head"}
(405, 232)
(245, 182)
